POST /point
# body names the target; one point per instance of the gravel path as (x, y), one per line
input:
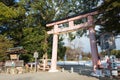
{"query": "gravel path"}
(79, 73)
(46, 76)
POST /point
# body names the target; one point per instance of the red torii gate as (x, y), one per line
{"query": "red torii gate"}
(72, 27)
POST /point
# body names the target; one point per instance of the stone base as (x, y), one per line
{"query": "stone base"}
(53, 70)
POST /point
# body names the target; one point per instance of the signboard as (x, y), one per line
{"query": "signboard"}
(35, 54)
(13, 56)
(107, 41)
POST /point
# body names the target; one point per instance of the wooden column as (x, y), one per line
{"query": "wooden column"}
(93, 44)
(54, 50)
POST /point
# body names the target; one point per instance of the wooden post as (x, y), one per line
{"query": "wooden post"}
(54, 50)
(93, 43)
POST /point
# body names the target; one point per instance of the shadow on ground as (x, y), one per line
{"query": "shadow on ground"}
(84, 70)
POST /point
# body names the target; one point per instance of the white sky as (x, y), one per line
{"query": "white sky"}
(84, 42)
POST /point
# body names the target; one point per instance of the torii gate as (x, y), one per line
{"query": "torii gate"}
(72, 27)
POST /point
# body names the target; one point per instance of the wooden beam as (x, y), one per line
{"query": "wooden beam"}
(69, 29)
(71, 19)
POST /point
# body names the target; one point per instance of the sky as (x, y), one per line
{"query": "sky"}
(84, 42)
(17, 0)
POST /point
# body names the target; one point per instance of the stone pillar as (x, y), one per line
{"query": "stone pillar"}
(54, 51)
(93, 43)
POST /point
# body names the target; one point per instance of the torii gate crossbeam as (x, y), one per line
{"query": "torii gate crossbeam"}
(72, 27)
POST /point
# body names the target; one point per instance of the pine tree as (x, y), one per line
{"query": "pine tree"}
(110, 19)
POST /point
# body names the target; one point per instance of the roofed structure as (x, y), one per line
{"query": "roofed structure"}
(15, 50)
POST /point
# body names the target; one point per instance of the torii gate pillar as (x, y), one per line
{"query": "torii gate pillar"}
(54, 51)
(93, 44)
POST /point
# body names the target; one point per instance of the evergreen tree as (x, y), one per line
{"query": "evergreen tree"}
(5, 43)
(25, 22)
(7, 13)
(110, 17)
